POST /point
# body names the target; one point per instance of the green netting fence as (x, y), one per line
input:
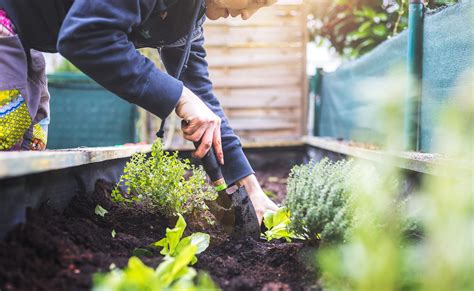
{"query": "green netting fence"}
(85, 114)
(447, 55)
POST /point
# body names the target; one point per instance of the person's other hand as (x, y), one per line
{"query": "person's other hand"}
(200, 124)
(260, 201)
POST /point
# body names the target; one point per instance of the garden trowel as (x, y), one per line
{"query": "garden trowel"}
(232, 208)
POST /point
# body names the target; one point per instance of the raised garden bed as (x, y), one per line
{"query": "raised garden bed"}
(59, 251)
(61, 245)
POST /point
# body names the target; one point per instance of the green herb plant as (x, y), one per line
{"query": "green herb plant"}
(159, 180)
(277, 223)
(173, 244)
(318, 200)
(173, 273)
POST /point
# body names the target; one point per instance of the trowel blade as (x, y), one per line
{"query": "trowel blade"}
(235, 212)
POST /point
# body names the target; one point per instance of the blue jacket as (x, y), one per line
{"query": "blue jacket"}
(101, 37)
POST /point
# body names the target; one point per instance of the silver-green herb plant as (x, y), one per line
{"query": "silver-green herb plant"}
(159, 181)
(318, 199)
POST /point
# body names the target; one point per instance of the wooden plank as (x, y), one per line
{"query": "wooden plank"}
(258, 97)
(414, 161)
(257, 82)
(250, 61)
(262, 45)
(262, 123)
(303, 72)
(228, 35)
(268, 135)
(272, 70)
(247, 144)
(14, 164)
(219, 55)
(294, 112)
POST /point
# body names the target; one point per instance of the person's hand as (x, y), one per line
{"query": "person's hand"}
(260, 201)
(200, 124)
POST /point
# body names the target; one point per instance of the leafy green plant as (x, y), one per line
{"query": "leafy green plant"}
(355, 27)
(318, 199)
(173, 273)
(159, 180)
(99, 210)
(277, 223)
(173, 244)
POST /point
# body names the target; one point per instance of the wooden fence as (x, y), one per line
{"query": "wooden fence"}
(258, 68)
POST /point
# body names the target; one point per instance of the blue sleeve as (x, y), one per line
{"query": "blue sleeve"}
(196, 78)
(94, 37)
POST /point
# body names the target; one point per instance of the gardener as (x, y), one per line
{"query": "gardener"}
(100, 38)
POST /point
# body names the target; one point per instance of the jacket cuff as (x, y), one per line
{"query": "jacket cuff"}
(161, 94)
(236, 166)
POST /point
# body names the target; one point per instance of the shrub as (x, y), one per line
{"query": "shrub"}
(159, 180)
(318, 199)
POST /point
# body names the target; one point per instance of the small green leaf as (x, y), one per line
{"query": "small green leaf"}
(113, 233)
(139, 252)
(99, 210)
(277, 223)
(201, 241)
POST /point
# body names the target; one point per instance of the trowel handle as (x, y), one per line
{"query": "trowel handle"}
(213, 169)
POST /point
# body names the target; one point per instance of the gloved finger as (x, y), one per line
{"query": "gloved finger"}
(217, 144)
(206, 143)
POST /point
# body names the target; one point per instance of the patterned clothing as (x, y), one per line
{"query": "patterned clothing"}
(24, 98)
(6, 26)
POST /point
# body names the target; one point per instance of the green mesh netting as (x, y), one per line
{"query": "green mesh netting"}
(448, 53)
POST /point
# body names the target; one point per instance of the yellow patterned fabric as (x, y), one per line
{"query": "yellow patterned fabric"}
(14, 118)
(39, 139)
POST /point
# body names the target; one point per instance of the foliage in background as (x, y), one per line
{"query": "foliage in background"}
(278, 225)
(376, 255)
(159, 180)
(172, 274)
(355, 27)
(172, 245)
(318, 199)
(66, 66)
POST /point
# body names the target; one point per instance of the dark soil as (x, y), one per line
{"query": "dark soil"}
(61, 251)
(273, 181)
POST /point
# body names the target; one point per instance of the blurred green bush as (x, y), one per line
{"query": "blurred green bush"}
(355, 27)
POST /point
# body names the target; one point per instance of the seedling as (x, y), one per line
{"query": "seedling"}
(277, 223)
(101, 211)
(173, 273)
(172, 245)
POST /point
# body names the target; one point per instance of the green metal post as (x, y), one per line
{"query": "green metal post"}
(415, 66)
(316, 89)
